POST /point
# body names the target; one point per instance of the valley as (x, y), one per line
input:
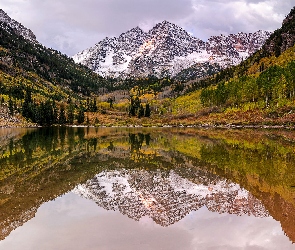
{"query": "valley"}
(161, 77)
(163, 136)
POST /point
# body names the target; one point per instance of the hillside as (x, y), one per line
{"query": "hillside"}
(260, 90)
(20, 57)
(27, 68)
(283, 38)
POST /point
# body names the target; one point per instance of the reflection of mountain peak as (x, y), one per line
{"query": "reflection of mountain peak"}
(166, 198)
(6, 226)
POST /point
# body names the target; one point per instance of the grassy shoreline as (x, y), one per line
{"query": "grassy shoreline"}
(249, 119)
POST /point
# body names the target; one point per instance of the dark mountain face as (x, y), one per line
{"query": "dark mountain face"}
(43, 69)
(283, 38)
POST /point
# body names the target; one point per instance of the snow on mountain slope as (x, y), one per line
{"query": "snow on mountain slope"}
(17, 27)
(112, 56)
(166, 50)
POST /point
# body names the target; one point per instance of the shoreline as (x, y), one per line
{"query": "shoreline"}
(254, 119)
(164, 125)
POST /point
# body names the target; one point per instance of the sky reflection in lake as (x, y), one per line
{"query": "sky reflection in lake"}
(71, 222)
(146, 189)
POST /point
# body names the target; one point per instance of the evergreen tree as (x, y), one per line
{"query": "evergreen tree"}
(27, 107)
(132, 110)
(140, 111)
(93, 107)
(71, 113)
(134, 106)
(62, 115)
(38, 114)
(88, 104)
(48, 113)
(11, 107)
(81, 115)
(55, 112)
(147, 112)
(111, 102)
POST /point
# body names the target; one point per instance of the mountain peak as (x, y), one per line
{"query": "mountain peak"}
(165, 50)
(290, 16)
(166, 26)
(167, 23)
(282, 38)
(17, 27)
(137, 29)
(134, 32)
(3, 16)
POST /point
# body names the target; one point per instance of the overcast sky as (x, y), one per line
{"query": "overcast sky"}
(73, 25)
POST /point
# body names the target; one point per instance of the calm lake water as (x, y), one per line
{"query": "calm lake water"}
(146, 188)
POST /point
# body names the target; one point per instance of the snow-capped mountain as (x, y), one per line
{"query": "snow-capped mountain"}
(235, 47)
(17, 27)
(166, 50)
(167, 198)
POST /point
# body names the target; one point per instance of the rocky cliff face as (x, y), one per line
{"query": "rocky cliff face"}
(283, 38)
(17, 27)
(166, 50)
(232, 49)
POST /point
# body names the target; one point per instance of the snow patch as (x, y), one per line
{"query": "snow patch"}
(166, 49)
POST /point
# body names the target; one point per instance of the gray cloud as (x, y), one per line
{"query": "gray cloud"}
(72, 25)
(212, 17)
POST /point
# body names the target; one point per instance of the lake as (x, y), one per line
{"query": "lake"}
(146, 188)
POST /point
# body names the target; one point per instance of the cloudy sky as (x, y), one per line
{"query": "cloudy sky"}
(73, 25)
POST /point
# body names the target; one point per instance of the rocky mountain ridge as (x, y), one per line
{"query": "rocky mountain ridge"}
(166, 50)
(282, 38)
(17, 27)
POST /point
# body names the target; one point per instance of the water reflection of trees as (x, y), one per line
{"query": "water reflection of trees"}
(34, 169)
(136, 141)
(43, 162)
(58, 139)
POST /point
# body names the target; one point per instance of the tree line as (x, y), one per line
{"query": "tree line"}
(136, 108)
(273, 87)
(47, 113)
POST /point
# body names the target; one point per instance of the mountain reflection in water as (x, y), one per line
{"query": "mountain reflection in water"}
(167, 197)
(160, 173)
